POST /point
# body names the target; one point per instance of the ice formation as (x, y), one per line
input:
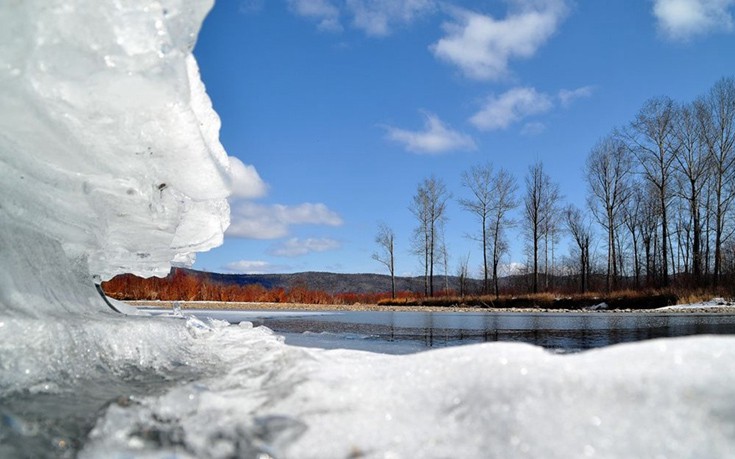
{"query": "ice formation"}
(109, 161)
(665, 398)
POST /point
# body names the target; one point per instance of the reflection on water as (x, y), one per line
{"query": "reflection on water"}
(404, 332)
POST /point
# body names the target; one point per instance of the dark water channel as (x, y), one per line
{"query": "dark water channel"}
(406, 332)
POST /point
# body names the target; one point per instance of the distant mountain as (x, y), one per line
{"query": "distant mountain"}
(334, 283)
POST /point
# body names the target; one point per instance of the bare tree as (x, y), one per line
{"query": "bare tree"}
(693, 170)
(541, 196)
(429, 206)
(479, 181)
(579, 228)
(550, 230)
(493, 197)
(386, 254)
(505, 188)
(607, 172)
(716, 115)
(633, 217)
(650, 215)
(463, 274)
(652, 140)
(421, 234)
(444, 256)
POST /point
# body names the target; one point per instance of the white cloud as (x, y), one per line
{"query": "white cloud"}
(533, 128)
(436, 137)
(685, 19)
(378, 17)
(323, 11)
(246, 183)
(296, 247)
(254, 267)
(567, 96)
(374, 17)
(481, 45)
(251, 6)
(255, 221)
(510, 107)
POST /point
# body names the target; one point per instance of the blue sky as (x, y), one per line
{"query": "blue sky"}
(338, 109)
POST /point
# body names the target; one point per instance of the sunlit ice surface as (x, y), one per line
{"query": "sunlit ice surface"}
(110, 162)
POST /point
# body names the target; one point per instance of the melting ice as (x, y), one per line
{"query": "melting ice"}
(110, 162)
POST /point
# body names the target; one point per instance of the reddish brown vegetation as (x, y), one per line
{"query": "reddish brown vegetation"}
(185, 286)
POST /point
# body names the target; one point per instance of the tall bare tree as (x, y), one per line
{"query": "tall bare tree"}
(541, 196)
(444, 256)
(579, 229)
(633, 217)
(493, 197)
(650, 217)
(550, 230)
(693, 170)
(716, 115)
(386, 253)
(428, 206)
(479, 181)
(653, 141)
(505, 188)
(607, 171)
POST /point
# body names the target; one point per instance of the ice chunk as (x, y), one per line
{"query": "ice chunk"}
(109, 153)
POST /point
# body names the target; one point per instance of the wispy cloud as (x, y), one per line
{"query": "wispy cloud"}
(296, 247)
(499, 112)
(374, 17)
(246, 182)
(435, 138)
(681, 20)
(481, 46)
(255, 221)
(533, 128)
(567, 96)
(325, 12)
(251, 6)
(379, 17)
(254, 267)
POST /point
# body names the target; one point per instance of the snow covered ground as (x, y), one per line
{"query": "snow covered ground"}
(713, 305)
(109, 162)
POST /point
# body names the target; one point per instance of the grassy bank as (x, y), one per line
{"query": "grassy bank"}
(618, 302)
(628, 300)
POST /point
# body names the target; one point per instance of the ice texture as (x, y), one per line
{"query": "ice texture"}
(109, 153)
(666, 398)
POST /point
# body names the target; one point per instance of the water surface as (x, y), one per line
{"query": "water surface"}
(407, 332)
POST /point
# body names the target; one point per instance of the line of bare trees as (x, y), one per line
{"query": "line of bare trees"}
(663, 188)
(660, 192)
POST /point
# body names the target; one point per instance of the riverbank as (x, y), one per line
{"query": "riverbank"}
(715, 306)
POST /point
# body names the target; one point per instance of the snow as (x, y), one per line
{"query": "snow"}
(715, 304)
(109, 162)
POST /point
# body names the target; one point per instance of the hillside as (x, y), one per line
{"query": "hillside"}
(332, 283)
(189, 284)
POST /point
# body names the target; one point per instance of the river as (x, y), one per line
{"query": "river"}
(408, 332)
